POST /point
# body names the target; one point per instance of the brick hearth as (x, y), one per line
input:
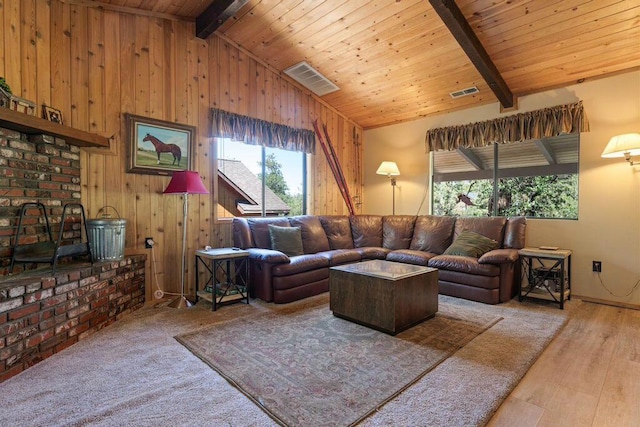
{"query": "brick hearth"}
(41, 315)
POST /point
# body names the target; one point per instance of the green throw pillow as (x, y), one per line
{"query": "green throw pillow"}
(471, 244)
(286, 239)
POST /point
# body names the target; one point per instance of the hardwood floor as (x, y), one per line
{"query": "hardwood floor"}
(588, 376)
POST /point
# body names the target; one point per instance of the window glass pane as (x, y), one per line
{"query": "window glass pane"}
(284, 172)
(535, 178)
(462, 198)
(240, 187)
(551, 196)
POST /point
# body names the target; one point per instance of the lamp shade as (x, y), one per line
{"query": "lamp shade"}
(186, 182)
(627, 144)
(388, 168)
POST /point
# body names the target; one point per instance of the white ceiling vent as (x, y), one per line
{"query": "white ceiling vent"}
(464, 92)
(310, 78)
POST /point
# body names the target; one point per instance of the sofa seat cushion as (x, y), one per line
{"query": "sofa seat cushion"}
(463, 264)
(469, 280)
(408, 256)
(338, 231)
(300, 264)
(341, 256)
(373, 252)
(301, 280)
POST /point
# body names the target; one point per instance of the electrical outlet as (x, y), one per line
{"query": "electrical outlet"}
(148, 242)
(597, 267)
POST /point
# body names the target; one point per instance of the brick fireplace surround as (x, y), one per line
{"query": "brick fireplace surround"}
(41, 314)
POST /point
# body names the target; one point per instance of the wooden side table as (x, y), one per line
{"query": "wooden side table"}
(546, 274)
(232, 265)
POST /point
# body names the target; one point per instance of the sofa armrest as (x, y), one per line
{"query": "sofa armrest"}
(267, 256)
(499, 256)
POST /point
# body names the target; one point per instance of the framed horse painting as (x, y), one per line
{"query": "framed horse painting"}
(158, 147)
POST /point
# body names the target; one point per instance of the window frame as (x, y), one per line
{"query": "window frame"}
(263, 155)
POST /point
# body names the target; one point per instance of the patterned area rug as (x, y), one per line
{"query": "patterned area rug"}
(307, 367)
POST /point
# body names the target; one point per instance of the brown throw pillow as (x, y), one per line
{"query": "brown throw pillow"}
(287, 240)
(471, 244)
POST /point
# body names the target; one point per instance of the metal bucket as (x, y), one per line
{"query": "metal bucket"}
(106, 236)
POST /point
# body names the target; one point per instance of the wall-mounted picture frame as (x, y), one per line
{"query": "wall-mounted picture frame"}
(158, 147)
(52, 114)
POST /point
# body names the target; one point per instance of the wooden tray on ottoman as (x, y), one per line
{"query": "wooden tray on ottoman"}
(384, 295)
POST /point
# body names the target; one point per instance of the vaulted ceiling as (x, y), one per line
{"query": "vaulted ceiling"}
(396, 60)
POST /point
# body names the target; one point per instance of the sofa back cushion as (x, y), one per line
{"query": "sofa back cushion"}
(397, 231)
(491, 227)
(260, 230)
(514, 233)
(314, 239)
(338, 231)
(366, 230)
(432, 233)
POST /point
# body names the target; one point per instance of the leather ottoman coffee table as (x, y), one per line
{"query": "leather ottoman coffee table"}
(383, 295)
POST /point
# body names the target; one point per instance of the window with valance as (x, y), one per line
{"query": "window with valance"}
(526, 162)
(261, 166)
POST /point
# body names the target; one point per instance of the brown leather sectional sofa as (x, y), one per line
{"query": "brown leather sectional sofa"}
(334, 240)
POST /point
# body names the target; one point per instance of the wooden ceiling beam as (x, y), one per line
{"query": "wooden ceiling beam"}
(218, 12)
(469, 42)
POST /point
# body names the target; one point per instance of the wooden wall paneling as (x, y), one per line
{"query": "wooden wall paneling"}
(79, 83)
(3, 30)
(96, 107)
(196, 215)
(114, 180)
(12, 55)
(233, 79)
(169, 68)
(259, 93)
(268, 94)
(126, 61)
(224, 64)
(284, 102)
(252, 81)
(244, 77)
(60, 72)
(141, 105)
(157, 109)
(346, 161)
(79, 69)
(322, 167)
(157, 79)
(203, 160)
(28, 51)
(276, 102)
(43, 54)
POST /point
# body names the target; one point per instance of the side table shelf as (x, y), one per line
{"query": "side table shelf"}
(546, 274)
(228, 276)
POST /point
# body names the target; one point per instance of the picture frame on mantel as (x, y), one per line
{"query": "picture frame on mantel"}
(158, 147)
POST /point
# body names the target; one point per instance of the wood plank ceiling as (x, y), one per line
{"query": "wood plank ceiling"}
(395, 60)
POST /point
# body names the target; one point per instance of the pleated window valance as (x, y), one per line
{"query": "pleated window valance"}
(553, 121)
(260, 132)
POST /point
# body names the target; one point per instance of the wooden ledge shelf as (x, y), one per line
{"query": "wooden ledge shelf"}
(33, 125)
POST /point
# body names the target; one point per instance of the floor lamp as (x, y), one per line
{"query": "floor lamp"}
(185, 183)
(391, 170)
